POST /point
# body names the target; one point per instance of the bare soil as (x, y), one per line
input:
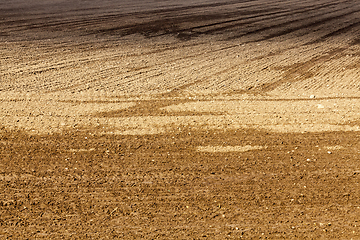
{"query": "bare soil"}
(191, 120)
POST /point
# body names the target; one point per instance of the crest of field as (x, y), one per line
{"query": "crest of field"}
(278, 115)
(286, 115)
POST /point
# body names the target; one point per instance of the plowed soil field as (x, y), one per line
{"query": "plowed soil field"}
(209, 119)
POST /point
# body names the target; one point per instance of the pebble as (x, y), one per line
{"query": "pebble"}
(312, 96)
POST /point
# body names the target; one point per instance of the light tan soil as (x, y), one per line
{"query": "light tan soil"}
(159, 119)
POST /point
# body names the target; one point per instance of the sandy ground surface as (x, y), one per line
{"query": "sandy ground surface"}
(179, 119)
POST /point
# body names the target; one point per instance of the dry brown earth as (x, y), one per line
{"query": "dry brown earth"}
(192, 120)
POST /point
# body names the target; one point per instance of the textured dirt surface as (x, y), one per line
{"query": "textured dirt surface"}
(166, 119)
